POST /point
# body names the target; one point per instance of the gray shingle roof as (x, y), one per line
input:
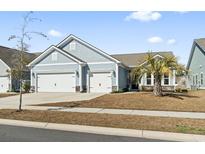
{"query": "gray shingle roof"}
(135, 59)
(201, 43)
(8, 55)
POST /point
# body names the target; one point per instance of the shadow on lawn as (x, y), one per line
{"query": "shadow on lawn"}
(180, 95)
(73, 104)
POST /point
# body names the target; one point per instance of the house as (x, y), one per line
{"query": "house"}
(196, 65)
(74, 65)
(7, 62)
(168, 81)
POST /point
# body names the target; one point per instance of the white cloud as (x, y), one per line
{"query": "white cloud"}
(182, 12)
(171, 41)
(155, 39)
(144, 16)
(54, 33)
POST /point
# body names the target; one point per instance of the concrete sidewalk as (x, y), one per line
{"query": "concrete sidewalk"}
(108, 131)
(191, 115)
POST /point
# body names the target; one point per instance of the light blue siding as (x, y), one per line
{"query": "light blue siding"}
(123, 78)
(107, 67)
(197, 67)
(61, 58)
(85, 53)
(3, 69)
(94, 62)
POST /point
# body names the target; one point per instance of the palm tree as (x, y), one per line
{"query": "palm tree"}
(158, 66)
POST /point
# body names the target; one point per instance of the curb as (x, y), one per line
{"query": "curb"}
(168, 136)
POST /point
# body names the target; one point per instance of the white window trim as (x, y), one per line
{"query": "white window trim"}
(166, 78)
(146, 80)
(55, 64)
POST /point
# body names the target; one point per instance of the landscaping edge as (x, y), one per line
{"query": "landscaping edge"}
(168, 136)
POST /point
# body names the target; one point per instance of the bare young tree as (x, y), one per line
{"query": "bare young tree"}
(22, 38)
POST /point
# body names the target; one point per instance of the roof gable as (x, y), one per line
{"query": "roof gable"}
(49, 51)
(71, 37)
(136, 59)
(200, 43)
(9, 55)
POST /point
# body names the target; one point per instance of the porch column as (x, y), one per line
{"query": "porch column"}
(117, 76)
(152, 79)
(36, 79)
(31, 77)
(170, 74)
(174, 76)
(88, 81)
(145, 78)
(80, 77)
(162, 80)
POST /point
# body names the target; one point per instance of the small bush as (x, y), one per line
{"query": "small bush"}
(121, 90)
(26, 87)
(180, 90)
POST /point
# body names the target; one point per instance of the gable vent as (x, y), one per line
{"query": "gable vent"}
(72, 46)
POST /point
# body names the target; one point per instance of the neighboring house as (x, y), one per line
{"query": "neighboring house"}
(196, 65)
(147, 80)
(76, 66)
(7, 62)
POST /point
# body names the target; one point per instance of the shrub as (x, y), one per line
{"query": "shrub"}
(181, 90)
(26, 87)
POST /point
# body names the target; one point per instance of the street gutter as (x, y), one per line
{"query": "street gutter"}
(107, 131)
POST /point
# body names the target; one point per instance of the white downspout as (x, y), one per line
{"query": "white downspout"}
(117, 76)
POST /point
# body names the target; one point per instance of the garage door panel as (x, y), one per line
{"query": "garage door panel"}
(56, 83)
(4, 84)
(100, 82)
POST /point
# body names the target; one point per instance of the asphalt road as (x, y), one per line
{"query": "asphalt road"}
(27, 134)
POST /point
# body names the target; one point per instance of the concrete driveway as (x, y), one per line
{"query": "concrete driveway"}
(41, 98)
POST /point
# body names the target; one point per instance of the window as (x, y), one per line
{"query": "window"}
(149, 79)
(72, 46)
(202, 78)
(166, 79)
(54, 56)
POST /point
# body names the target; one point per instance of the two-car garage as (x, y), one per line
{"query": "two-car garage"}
(56, 82)
(99, 82)
(92, 69)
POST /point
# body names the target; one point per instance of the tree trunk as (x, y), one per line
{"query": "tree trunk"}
(20, 99)
(157, 86)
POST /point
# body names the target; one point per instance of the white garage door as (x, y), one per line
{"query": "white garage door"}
(56, 83)
(100, 82)
(4, 84)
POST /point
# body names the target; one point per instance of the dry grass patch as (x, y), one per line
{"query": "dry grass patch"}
(107, 120)
(6, 95)
(193, 101)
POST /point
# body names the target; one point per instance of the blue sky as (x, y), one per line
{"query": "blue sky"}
(113, 32)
